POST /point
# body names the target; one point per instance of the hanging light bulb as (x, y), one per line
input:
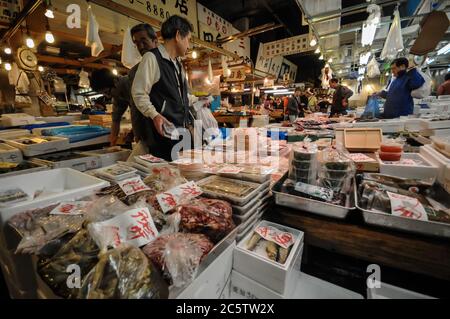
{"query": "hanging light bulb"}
(313, 42)
(29, 42)
(49, 37)
(40, 68)
(228, 72)
(8, 50)
(49, 11)
(321, 57)
(330, 60)
(194, 54)
(1, 61)
(317, 50)
(8, 66)
(115, 72)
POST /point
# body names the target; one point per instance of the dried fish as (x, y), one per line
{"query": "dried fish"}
(283, 253)
(271, 250)
(251, 244)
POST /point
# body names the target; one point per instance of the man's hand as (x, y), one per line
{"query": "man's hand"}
(158, 121)
(344, 103)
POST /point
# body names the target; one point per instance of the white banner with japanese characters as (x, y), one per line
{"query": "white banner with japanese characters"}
(134, 227)
(213, 27)
(161, 10)
(288, 46)
(284, 239)
(405, 206)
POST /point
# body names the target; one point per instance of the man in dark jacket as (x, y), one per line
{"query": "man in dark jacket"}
(295, 108)
(340, 98)
(399, 101)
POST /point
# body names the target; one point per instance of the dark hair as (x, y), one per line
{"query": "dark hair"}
(297, 90)
(447, 76)
(102, 79)
(334, 80)
(144, 27)
(175, 23)
(401, 61)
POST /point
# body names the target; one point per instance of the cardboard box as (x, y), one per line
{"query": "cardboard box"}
(363, 165)
(269, 273)
(362, 139)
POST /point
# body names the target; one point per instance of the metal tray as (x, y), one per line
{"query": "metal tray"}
(402, 223)
(310, 205)
(37, 167)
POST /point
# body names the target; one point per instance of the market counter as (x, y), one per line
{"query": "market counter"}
(408, 252)
(231, 119)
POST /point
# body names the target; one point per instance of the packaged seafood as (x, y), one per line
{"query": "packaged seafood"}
(210, 217)
(68, 159)
(124, 273)
(32, 145)
(234, 191)
(24, 167)
(110, 155)
(116, 172)
(81, 250)
(37, 228)
(11, 196)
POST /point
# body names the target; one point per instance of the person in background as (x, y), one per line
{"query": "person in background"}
(160, 88)
(294, 106)
(340, 98)
(444, 88)
(312, 101)
(119, 88)
(399, 101)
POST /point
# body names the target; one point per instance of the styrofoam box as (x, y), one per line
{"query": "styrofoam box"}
(269, 273)
(55, 144)
(426, 171)
(10, 154)
(17, 119)
(226, 293)
(427, 124)
(87, 162)
(212, 281)
(306, 287)
(107, 158)
(413, 125)
(387, 291)
(436, 159)
(13, 133)
(55, 185)
(387, 126)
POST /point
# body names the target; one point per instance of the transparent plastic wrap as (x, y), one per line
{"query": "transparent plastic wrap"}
(303, 163)
(336, 170)
(124, 273)
(391, 150)
(211, 217)
(156, 251)
(81, 251)
(105, 208)
(38, 228)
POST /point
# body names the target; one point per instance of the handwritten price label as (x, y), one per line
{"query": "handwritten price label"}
(134, 227)
(359, 157)
(175, 196)
(283, 239)
(70, 208)
(151, 159)
(405, 206)
(132, 186)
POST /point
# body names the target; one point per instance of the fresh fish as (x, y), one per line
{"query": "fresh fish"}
(272, 250)
(251, 244)
(283, 253)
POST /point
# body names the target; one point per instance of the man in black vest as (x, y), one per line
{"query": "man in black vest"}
(160, 89)
(340, 98)
(295, 105)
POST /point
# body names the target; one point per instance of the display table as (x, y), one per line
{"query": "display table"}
(232, 120)
(404, 251)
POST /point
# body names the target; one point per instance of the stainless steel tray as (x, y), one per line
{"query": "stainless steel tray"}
(310, 205)
(402, 223)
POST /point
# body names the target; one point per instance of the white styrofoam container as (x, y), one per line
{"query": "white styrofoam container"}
(65, 118)
(413, 125)
(13, 133)
(17, 119)
(429, 125)
(226, 293)
(387, 291)
(107, 157)
(306, 287)
(212, 281)
(269, 273)
(80, 164)
(426, 171)
(56, 185)
(10, 154)
(436, 159)
(54, 144)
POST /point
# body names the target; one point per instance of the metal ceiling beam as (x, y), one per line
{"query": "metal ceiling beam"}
(269, 8)
(30, 7)
(250, 32)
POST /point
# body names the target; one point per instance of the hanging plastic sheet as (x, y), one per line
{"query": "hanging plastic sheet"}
(373, 69)
(370, 26)
(130, 54)
(92, 37)
(394, 41)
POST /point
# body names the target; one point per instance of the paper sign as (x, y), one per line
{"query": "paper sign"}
(359, 157)
(134, 227)
(133, 185)
(230, 169)
(279, 237)
(151, 159)
(175, 196)
(70, 208)
(405, 206)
